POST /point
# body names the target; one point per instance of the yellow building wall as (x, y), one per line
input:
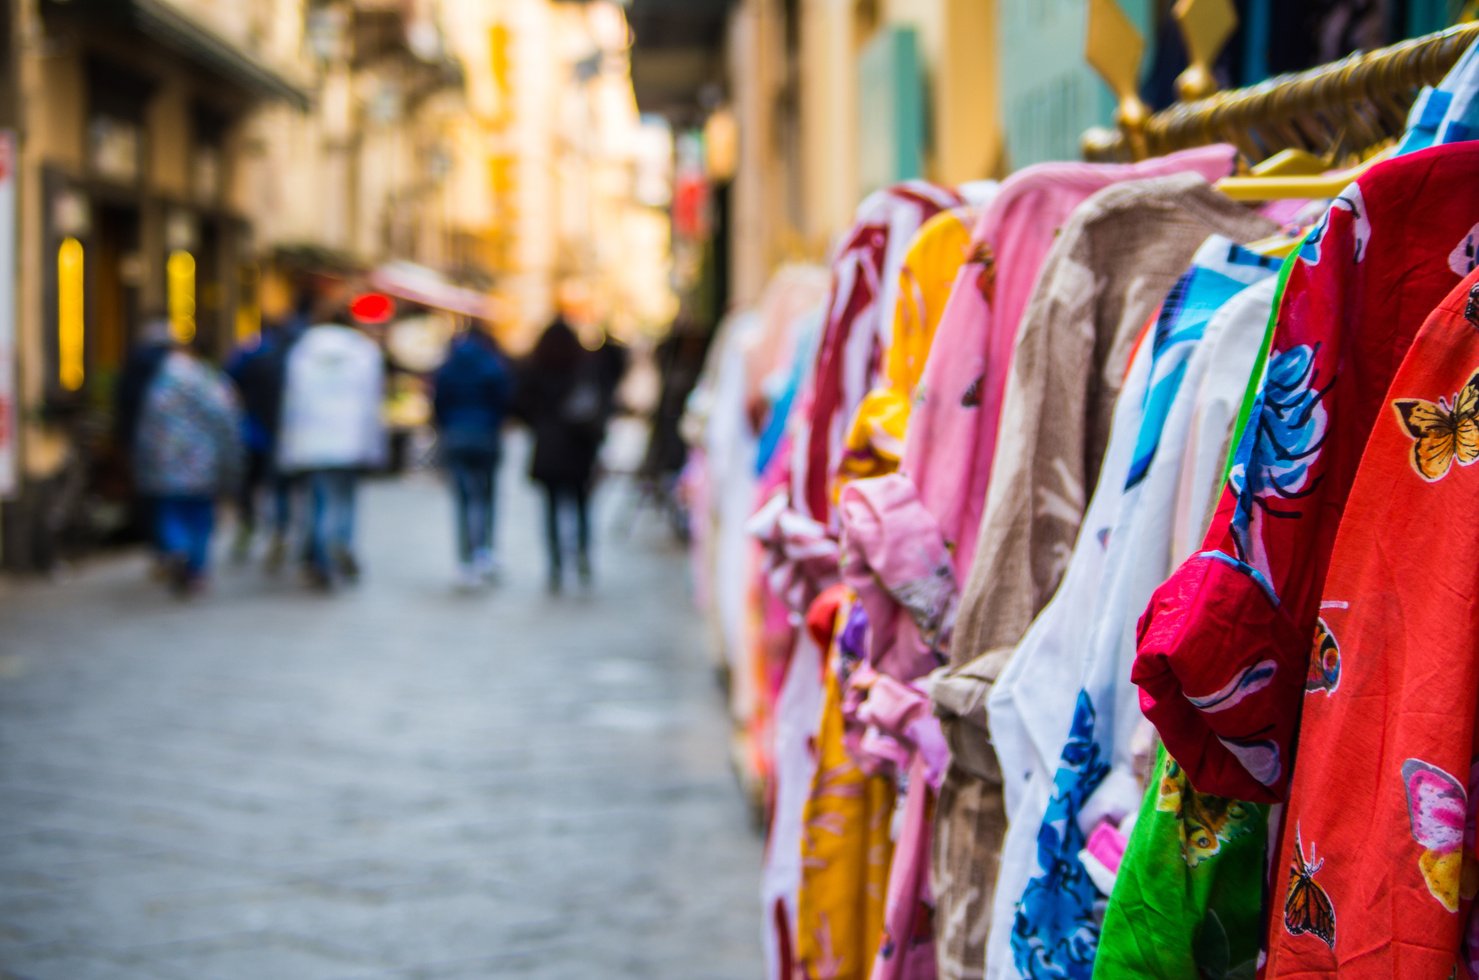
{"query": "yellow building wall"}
(958, 47)
(829, 121)
(968, 125)
(57, 84)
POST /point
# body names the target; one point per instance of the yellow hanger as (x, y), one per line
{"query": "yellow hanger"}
(1291, 163)
(1283, 187)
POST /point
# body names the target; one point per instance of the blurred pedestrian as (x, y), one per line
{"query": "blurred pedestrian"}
(139, 368)
(258, 369)
(187, 452)
(564, 398)
(473, 388)
(330, 433)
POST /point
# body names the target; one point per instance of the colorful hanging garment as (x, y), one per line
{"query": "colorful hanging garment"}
(944, 447)
(1448, 113)
(1377, 873)
(858, 319)
(845, 845)
(1118, 255)
(833, 928)
(1224, 645)
(1053, 922)
(875, 440)
(906, 588)
(952, 434)
(1187, 895)
(1035, 743)
(798, 710)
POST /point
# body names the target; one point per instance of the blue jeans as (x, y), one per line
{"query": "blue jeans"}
(331, 518)
(260, 475)
(559, 499)
(183, 528)
(474, 487)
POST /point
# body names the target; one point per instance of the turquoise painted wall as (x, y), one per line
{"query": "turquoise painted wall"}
(1049, 94)
(891, 109)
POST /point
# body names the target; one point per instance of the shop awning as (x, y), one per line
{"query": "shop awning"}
(677, 51)
(193, 40)
(418, 284)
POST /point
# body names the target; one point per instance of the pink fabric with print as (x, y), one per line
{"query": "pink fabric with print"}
(952, 431)
(908, 949)
(894, 559)
(856, 327)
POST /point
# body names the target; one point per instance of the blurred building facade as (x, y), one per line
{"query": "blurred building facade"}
(129, 125)
(552, 192)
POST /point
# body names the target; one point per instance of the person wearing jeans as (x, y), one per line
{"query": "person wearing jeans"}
(572, 499)
(332, 498)
(330, 433)
(472, 392)
(184, 525)
(187, 452)
(474, 488)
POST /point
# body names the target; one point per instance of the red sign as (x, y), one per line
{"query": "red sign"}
(372, 308)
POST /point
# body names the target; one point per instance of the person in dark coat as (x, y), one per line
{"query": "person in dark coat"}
(473, 388)
(564, 398)
(258, 371)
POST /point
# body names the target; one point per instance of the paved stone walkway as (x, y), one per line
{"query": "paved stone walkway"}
(397, 781)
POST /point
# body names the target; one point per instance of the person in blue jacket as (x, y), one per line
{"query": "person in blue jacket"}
(258, 369)
(473, 389)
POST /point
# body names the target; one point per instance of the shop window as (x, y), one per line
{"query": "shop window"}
(115, 149)
(115, 136)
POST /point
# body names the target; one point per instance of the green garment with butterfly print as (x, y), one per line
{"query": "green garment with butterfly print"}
(1188, 899)
(1188, 896)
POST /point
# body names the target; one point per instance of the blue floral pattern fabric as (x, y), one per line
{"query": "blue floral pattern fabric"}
(1056, 931)
(1057, 927)
(1276, 460)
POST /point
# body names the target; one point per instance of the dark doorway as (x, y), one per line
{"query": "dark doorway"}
(117, 267)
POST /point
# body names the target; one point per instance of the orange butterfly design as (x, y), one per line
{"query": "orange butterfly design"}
(1444, 432)
(1308, 909)
(1324, 672)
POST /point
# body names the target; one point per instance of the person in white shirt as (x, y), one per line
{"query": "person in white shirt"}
(331, 433)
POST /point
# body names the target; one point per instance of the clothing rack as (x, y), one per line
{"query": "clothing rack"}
(1341, 110)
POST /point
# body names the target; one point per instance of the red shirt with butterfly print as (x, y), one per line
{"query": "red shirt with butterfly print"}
(1224, 646)
(1376, 872)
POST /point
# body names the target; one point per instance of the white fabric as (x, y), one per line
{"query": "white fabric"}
(1219, 398)
(798, 715)
(1145, 557)
(1030, 704)
(730, 446)
(1085, 639)
(332, 395)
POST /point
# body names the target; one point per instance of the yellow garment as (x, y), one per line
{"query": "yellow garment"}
(875, 440)
(846, 850)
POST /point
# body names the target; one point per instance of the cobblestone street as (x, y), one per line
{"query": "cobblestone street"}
(395, 781)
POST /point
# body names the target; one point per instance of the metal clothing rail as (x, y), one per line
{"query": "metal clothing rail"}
(1340, 110)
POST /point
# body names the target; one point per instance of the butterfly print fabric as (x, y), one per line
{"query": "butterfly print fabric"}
(1383, 780)
(1307, 908)
(1243, 610)
(1443, 433)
